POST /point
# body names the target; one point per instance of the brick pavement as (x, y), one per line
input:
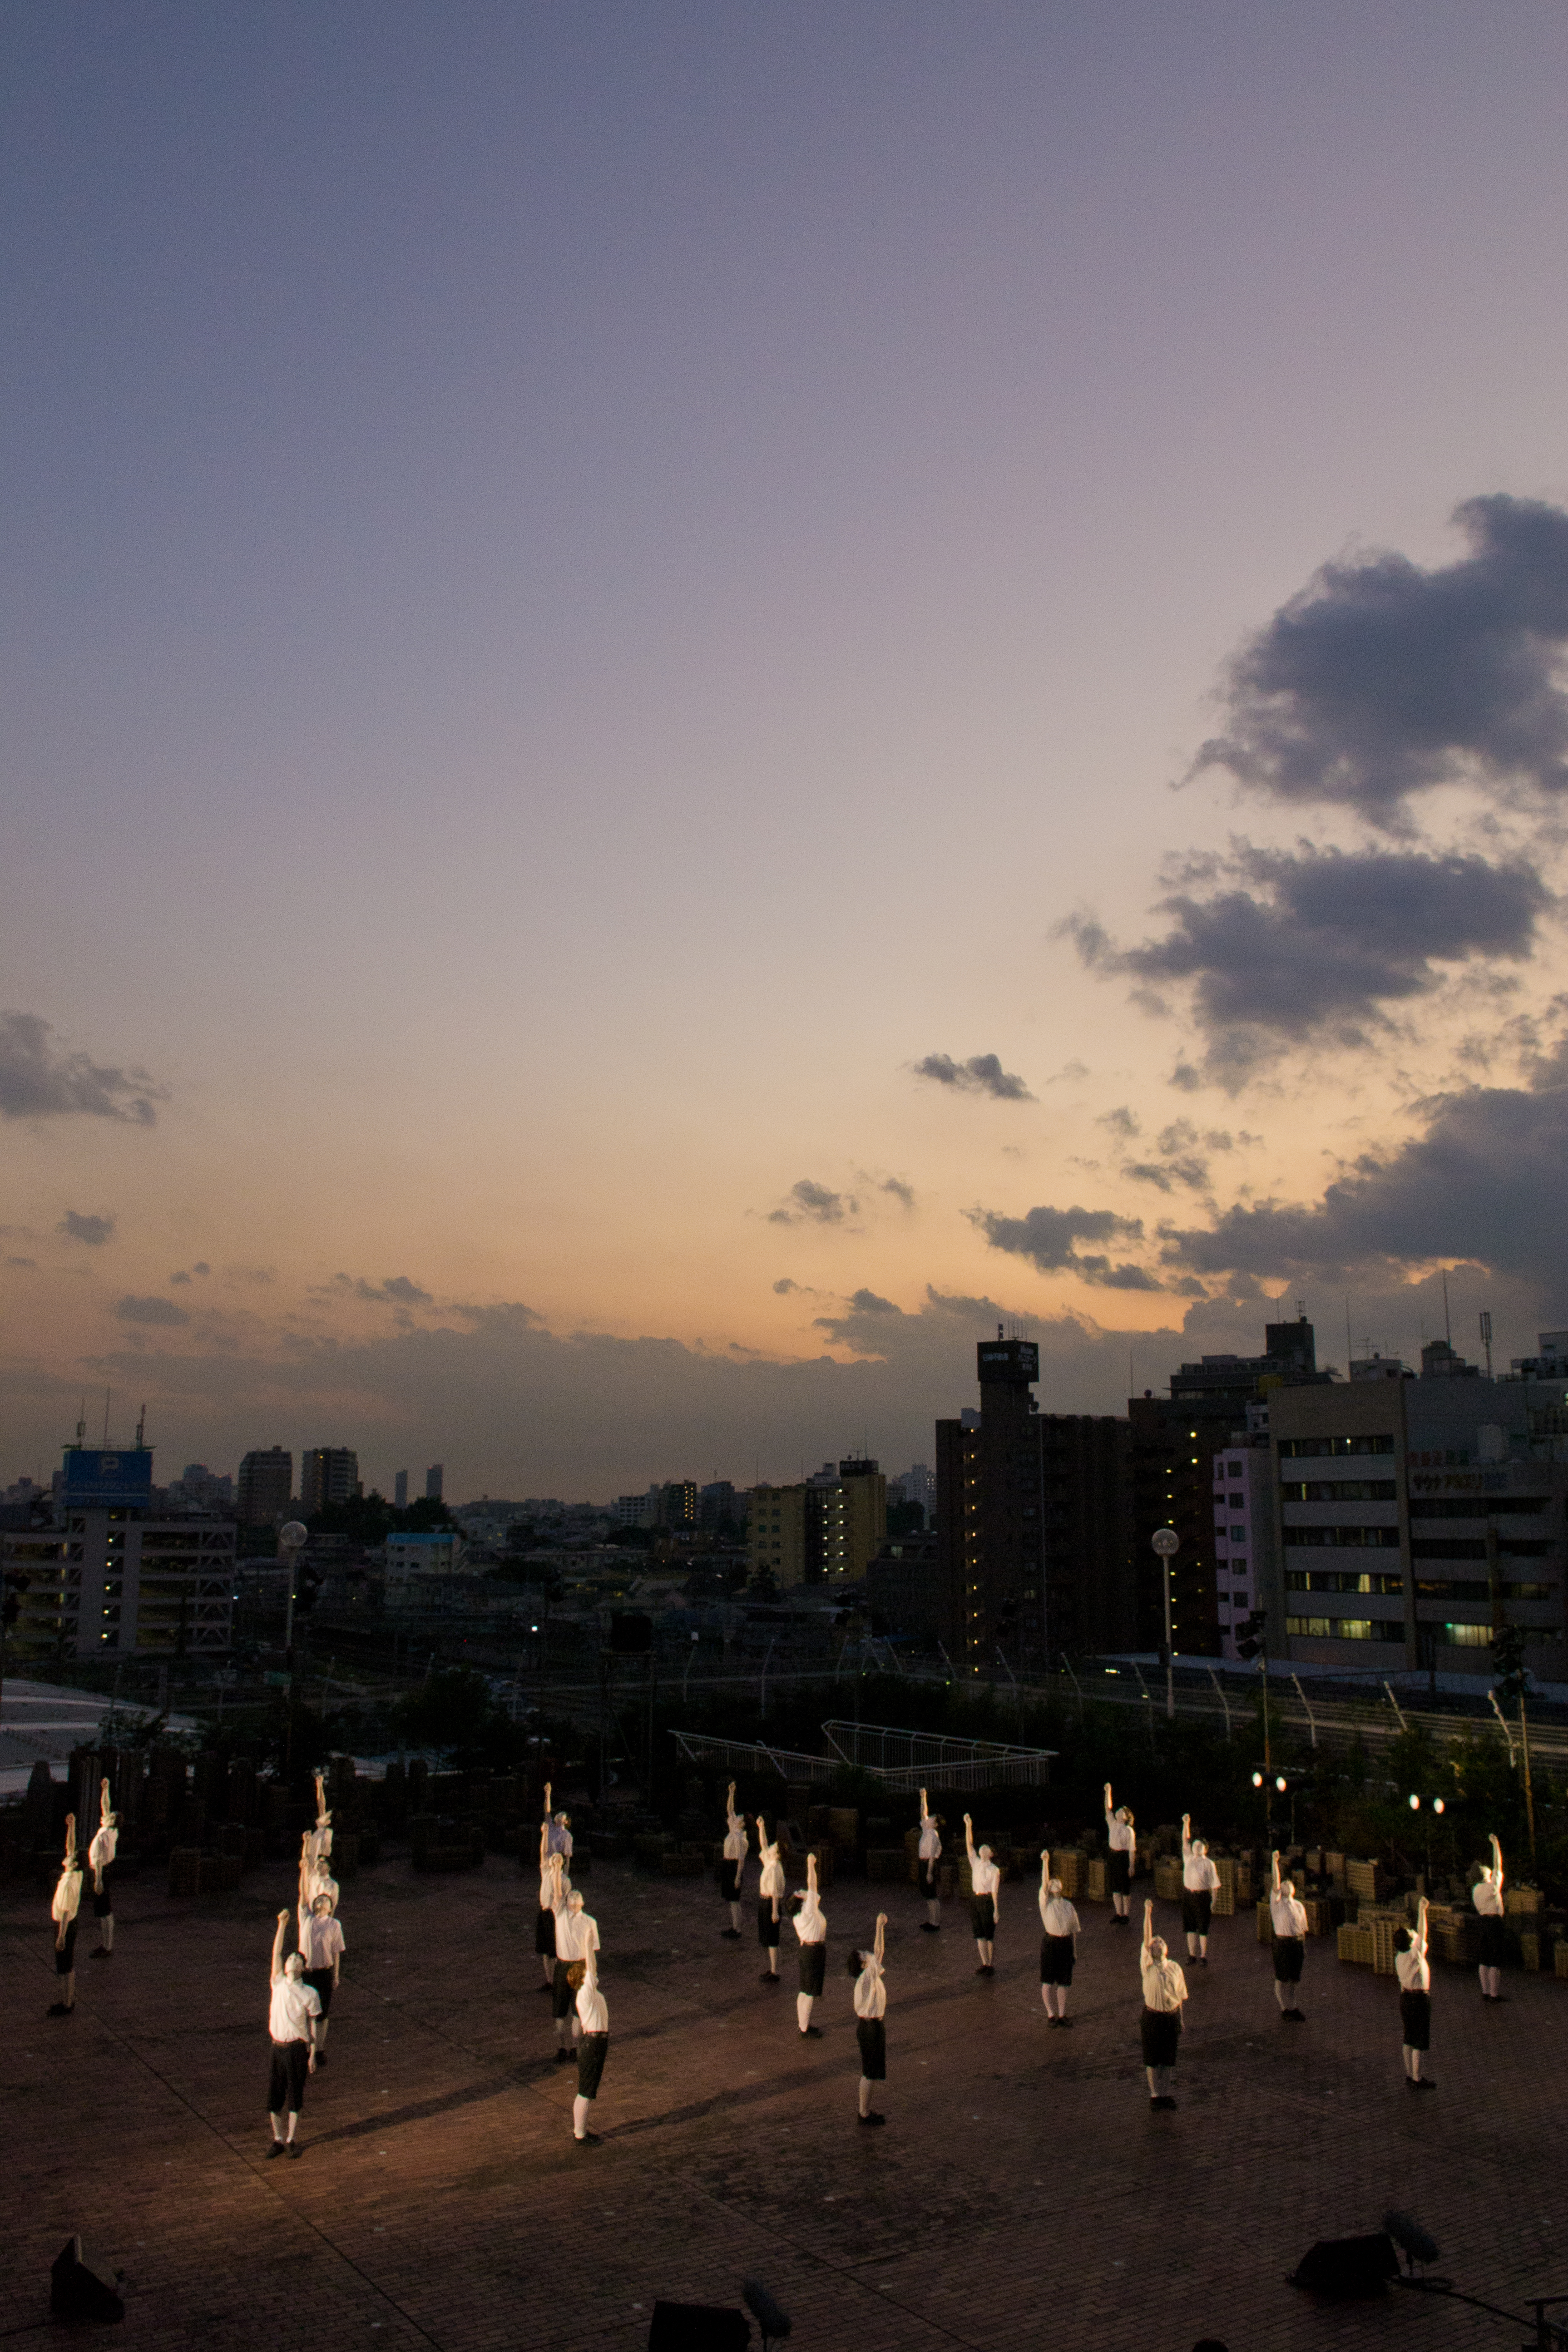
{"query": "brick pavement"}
(1023, 2194)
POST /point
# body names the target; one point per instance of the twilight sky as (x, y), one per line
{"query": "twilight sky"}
(694, 698)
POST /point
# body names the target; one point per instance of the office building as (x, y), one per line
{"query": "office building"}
(677, 1507)
(636, 1510)
(433, 1479)
(265, 1488)
(915, 1485)
(1246, 1565)
(328, 1475)
(846, 1520)
(399, 1490)
(112, 1575)
(1415, 1513)
(411, 1559)
(776, 1533)
(717, 1503)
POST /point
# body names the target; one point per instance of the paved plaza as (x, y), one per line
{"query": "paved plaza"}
(1022, 2193)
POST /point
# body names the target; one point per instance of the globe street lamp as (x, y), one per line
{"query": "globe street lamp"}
(1167, 1543)
(292, 1540)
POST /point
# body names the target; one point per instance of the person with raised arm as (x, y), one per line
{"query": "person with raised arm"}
(770, 1896)
(100, 1856)
(291, 2023)
(732, 1867)
(1123, 1841)
(1414, 1974)
(320, 1946)
(1164, 1991)
(63, 1911)
(1058, 1945)
(553, 1893)
(576, 1935)
(871, 2010)
(319, 1841)
(592, 2047)
(930, 1854)
(1200, 1885)
(1288, 1918)
(811, 1927)
(559, 1825)
(984, 1884)
(1487, 1896)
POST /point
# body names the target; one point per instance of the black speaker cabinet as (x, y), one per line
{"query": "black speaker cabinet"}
(698, 2327)
(1348, 2269)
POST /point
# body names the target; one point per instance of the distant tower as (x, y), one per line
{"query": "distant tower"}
(433, 1482)
(399, 1490)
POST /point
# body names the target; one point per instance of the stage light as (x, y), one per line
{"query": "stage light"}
(1438, 1806)
(1415, 1804)
(1257, 1779)
(1280, 1782)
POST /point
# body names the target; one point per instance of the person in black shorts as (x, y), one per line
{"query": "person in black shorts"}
(770, 1896)
(1414, 1972)
(554, 1890)
(1288, 1918)
(985, 1890)
(1487, 1896)
(63, 1911)
(930, 1855)
(1122, 1841)
(1200, 1885)
(871, 2010)
(1164, 1991)
(732, 1869)
(811, 1927)
(1058, 1945)
(291, 2023)
(100, 1856)
(592, 2047)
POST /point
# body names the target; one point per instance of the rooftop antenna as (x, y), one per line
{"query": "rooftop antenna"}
(1448, 1326)
(1301, 1310)
(81, 1423)
(108, 1392)
(1001, 1334)
(1486, 1336)
(1349, 1348)
(142, 1428)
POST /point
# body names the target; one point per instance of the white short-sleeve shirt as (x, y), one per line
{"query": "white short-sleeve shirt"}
(985, 1877)
(1288, 1917)
(1057, 1915)
(294, 2004)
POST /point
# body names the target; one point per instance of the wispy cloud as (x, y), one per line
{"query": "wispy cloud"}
(40, 1079)
(813, 1204)
(982, 1074)
(94, 1231)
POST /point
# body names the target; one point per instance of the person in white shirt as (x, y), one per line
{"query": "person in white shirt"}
(315, 1870)
(1121, 1839)
(63, 1911)
(984, 1884)
(1289, 1920)
(1058, 1945)
(321, 1948)
(770, 1896)
(554, 1887)
(811, 1927)
(1487, 1896)
(1200, 1885)
(1414, 1972)
(100, 1856)
(1164, 1991)
(560, 1832)
(930, 1854)
(871, 2010)
(576, 1937)
(732, 1870)
(592, 2047)
(319, 1841)
(291, 2022)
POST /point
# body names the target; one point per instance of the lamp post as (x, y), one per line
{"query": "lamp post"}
(1167, 1543)
(292, 1539)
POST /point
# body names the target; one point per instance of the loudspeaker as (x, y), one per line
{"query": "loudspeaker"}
(698, 2327)
(630, 1635)
(76, 2292)
(1348, 2269)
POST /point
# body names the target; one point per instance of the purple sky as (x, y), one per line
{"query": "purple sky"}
(586, 589)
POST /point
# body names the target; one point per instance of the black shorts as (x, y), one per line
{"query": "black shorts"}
(291, 2072)
(870, 2033)
(321, 1980)
(544, 1934)
(563, 2000)
(103, 1904)
(1120, 1875)
(1416, 2017)
(767, 1924)
(1056, 1959)
(1493, 1941)
(1197, 1909)
(729, 1880)
(1160, 2031)
(591, 2055)
(1288, 1952)
(983, 1917)
(66, 1953)
(813, 1967)
(928, 1881)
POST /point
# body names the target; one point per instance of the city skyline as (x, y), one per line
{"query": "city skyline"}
(697, 705)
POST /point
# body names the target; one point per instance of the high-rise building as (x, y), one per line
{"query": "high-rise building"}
(716, 1503)
(776, 1533)
(399, 1490)
(678, 1506)
(112, 1577)
(1246, 1562)
(265, 1488)
(846, 1520)
(328, 1475)
(433, 1478)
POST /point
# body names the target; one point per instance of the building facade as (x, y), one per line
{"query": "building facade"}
(328, 1475)
(112, 1577)
(265, 1488)
(776, 1533)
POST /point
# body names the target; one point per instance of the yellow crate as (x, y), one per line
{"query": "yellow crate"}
(1168, 1879)
(1385, 1928)
(1318, 1917)
(1355, 1944)
(1095, 1891)
(1521, 1900)
(1068, 1865)
(1560, 1960)
(1265, 1924)
(1530, 1952)
(1225, 1893)
(1365, 1880)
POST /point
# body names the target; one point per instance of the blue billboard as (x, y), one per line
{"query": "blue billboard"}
(100, 1477)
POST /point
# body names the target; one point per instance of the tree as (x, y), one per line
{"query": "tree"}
(1507, 1659)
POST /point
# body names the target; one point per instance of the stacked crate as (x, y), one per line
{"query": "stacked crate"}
(886, 1866)
(1367, 1880)
(1265, 1924)
(1068, 1865)
(1384, 1924)
(1094, 1880)
(1450, 1935)
(1225, 1893)
(1355, 1945)
(1168, 1878)
(1560, 1959)
(1317, 1919)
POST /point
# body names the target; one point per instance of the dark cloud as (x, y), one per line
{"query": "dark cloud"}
(41, 1081)
(784, 1287)
(863, 1303)
(178, 1278)
(1380, 678)
(1484, 1182)
(151, 1310)
(396, 1290)
(93, 1230)
(30, 1262)
(1182, 1164)
(1049, 1239)
(1318, 943)
(811, 1203)
(1121, 1123)
(200, 1267)
(901, 1191)
(982, 1074)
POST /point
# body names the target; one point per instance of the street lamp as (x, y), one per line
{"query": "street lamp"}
(292, 1540)
(1167, 1543)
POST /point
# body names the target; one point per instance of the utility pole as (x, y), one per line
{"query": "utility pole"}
(1167, 1543)
(1528, 1792)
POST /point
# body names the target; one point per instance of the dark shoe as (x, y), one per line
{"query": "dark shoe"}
(565, 2058)
(58, 2008)
(321, 2060)
(770, 1976)
(730, 1935)
(810, 2033)
(102, 1953)
(1164, 2102)
(1297, 2016)
(1052, 2022)
(293, 2148)
(869, 2122)
(588, 2139)
(930, 1927)
(1423, 2083)
(1203, 1959)
(988, 1970)
(544, 1988)
(1064, 2021)
(275, 2149)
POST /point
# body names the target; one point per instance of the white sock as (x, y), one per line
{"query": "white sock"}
(865, 2095)
(933, 1912)
(1283, 1995)
(580, 2107)
(734, 1916)
(803, 2009)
